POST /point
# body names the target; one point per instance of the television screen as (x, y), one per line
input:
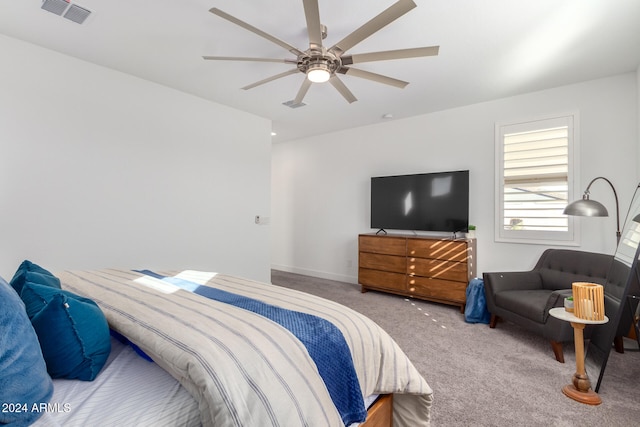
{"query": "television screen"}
(425, 202)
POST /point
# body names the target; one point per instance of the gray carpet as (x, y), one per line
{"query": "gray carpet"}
(486, 377)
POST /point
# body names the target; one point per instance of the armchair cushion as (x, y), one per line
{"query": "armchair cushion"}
(528, 303)
(559, 268)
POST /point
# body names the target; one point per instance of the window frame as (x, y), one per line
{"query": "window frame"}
(563, 238)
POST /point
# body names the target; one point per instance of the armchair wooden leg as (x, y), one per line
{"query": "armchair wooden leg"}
(493, 321)
(557, 350)
(618, 344)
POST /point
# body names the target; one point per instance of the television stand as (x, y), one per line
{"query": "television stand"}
(429, 268)
(383, 231)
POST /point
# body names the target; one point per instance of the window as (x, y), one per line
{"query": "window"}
(535, 175)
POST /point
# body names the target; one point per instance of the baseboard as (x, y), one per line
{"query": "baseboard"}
(316, 273)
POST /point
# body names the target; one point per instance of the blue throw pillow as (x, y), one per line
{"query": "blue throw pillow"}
(27, 265)
(28, 271)
(72, 330)
(23, 373)
(36, 296)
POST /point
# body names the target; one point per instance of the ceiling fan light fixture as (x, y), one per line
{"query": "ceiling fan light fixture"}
(318, 73)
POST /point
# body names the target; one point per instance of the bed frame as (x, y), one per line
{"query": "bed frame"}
(380, 414)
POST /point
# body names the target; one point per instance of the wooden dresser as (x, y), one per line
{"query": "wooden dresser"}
(429, 268)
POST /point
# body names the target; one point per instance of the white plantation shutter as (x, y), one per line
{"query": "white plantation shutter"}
(534, 180)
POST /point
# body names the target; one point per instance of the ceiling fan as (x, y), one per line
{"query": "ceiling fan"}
(321, 64)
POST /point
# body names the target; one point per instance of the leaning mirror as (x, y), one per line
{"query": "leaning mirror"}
(620, 296)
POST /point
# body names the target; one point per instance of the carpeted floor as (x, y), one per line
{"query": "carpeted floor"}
(487, 377)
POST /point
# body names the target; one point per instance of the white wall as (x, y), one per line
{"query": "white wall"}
(320, 185)
(101, 169)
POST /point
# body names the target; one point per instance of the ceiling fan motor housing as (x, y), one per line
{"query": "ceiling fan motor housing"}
(319, 59)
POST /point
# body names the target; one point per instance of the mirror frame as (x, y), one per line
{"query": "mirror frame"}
(622, 286)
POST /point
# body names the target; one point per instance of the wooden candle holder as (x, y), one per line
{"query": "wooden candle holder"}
(588, 301)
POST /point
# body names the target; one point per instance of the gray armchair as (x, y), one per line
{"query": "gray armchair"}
(525, 298)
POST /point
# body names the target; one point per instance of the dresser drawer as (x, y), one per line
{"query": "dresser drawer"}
(449, 250)
(382, 280)
(395, 264)
(383, 245)
(439, 269)
(437, 289)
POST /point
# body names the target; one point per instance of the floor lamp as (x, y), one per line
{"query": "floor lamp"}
(580, 390)
(588, 207)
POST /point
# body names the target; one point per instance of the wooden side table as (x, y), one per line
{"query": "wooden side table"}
(580, 390)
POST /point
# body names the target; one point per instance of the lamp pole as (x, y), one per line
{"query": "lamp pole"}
(615, 194)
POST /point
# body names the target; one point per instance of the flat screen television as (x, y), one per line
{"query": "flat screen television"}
(424, 202)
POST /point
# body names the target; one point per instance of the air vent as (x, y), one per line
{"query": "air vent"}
(64, 8)
(292, 104)
(77, 14)
(55, 6)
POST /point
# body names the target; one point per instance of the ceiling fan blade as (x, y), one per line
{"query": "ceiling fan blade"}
(386, 17)
(306, 84)
(344, 91)
(373, 76)
(272, 78)
(240, 58)
(312, 13)
(255, 30)
(390, 54)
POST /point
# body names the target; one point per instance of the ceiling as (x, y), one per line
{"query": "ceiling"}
(488, 50)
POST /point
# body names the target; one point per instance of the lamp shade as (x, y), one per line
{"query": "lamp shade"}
(586, 207)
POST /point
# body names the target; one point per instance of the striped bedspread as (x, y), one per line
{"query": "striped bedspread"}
(244, 369)
(322, 339)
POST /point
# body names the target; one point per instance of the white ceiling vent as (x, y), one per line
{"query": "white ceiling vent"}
(73, 12)
(55, 6)
(77, 14)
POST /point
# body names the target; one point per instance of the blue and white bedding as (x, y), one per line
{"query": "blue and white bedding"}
(322, 339)
(241, 367)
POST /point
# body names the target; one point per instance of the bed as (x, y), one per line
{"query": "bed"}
(232, 351)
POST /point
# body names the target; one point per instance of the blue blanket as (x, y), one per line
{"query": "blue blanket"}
(324, 342)
(476, 308)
